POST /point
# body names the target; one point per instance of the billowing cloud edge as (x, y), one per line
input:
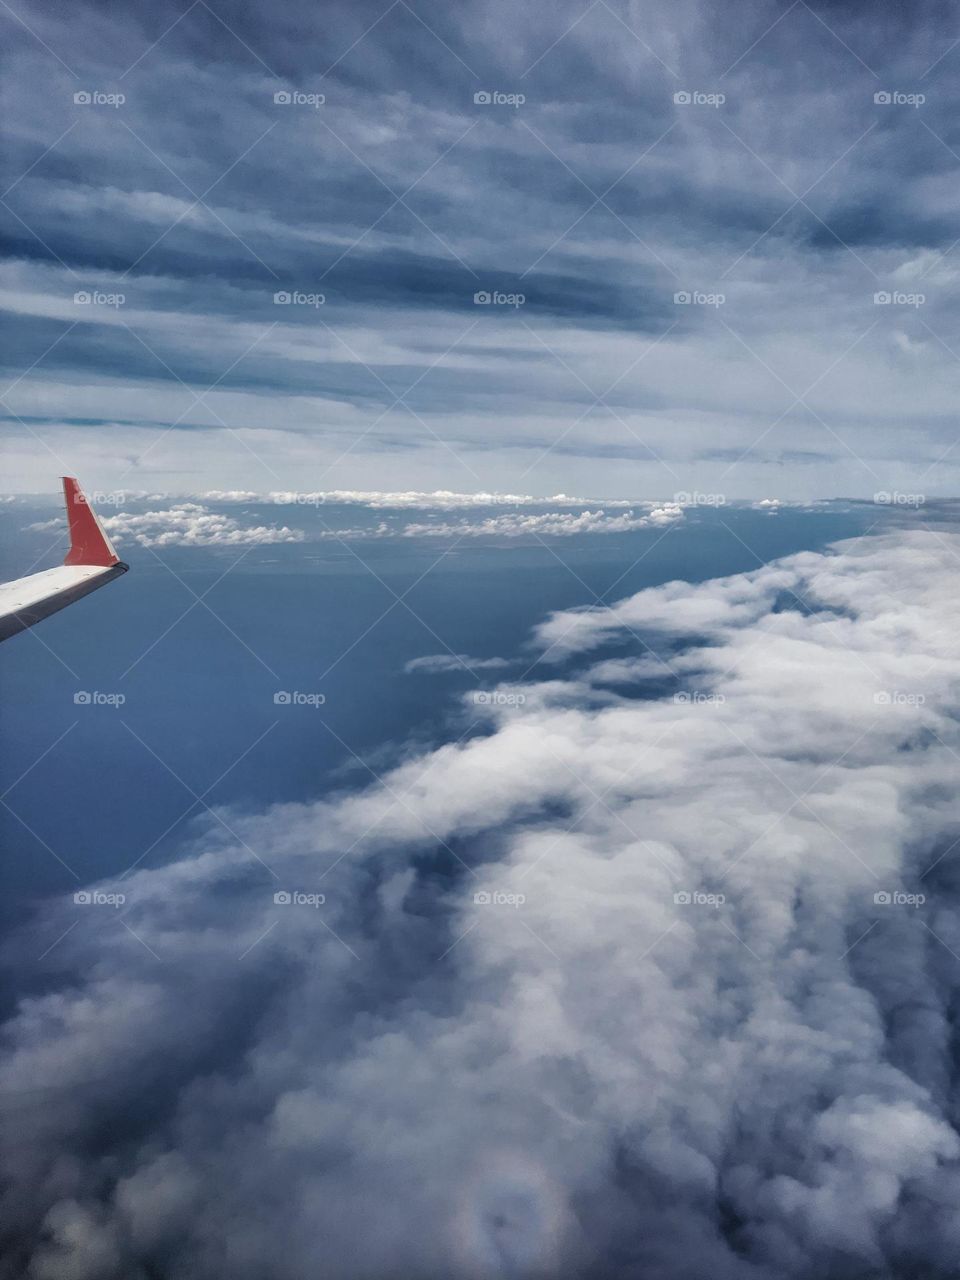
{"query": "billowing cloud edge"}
(661, 985)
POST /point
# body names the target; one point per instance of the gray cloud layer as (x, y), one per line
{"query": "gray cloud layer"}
(598, 199)
(608, 991)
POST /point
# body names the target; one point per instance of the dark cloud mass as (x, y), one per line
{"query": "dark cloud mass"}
(620, 988)
(598, 198)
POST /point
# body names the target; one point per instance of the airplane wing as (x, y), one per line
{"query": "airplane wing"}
(91, 563)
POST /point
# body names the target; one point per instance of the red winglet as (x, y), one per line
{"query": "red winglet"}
(88, 542)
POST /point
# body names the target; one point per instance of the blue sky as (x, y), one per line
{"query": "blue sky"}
(599, 199)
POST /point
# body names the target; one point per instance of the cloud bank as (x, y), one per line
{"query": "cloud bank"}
(619, 988)
(207, 286)
(550, 524)
(191, 524)
(439, 500)
(195, 524)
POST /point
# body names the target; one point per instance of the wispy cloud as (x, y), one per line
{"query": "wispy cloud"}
(434, 663)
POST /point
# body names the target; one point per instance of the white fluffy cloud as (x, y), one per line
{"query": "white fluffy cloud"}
(191, 524)
(548, 524)
(658, 1022)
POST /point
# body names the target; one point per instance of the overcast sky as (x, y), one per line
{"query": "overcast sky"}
(781, 198)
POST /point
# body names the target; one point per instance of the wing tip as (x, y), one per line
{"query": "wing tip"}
(89, 544)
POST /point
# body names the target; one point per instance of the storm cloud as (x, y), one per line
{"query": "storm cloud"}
(614, 248)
